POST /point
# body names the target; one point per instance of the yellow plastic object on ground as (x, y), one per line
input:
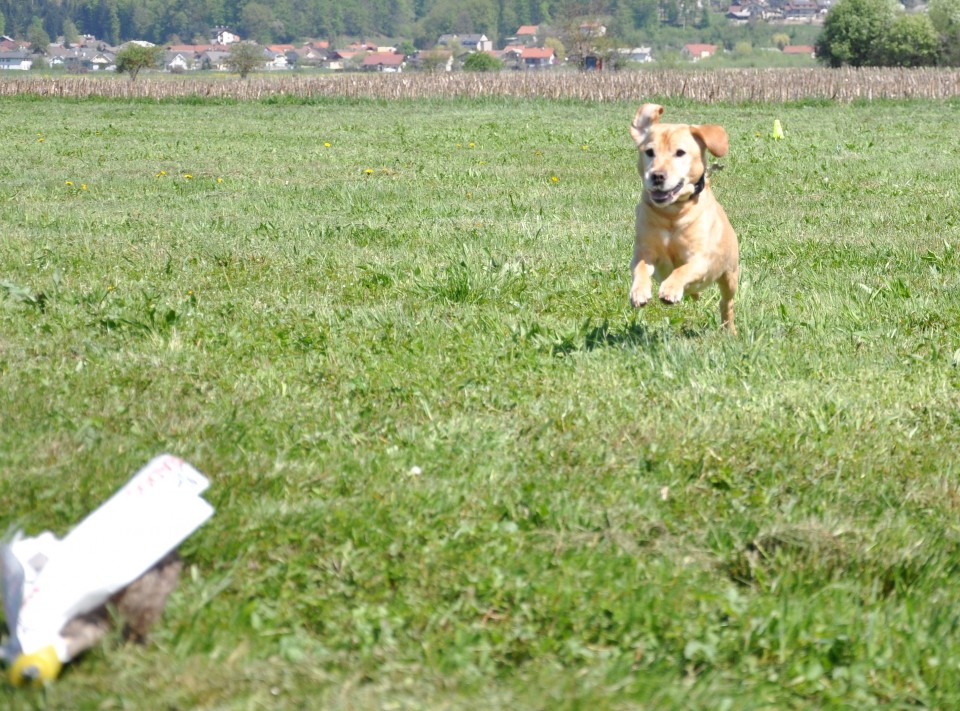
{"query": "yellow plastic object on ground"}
(36, 669)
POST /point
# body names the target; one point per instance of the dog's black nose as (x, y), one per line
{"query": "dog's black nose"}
(658, 178)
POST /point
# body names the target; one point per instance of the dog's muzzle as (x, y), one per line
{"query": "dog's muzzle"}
(662, 197)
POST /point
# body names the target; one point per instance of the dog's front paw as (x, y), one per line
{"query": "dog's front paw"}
(670, 293)
(639, 296)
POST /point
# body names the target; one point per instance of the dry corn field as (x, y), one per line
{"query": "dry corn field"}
(723, 85)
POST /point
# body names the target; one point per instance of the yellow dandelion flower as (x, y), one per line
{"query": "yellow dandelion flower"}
(584, 147)
(39, 140)
(554, 179)
(219, 180)
(161, 173)
(471, 145)
(69, 182)
(369, 171)
(326, 145)
(83, 186)
(187, 176)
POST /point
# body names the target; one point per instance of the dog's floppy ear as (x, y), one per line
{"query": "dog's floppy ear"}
(713, 137)
(647, 115)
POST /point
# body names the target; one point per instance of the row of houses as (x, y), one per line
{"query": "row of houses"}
(525, 52)
(186, 58)
(799, 12)
(17, 55)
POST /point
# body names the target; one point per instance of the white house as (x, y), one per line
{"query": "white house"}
(695, 52)
(526, 35)
(538, 57)
(224, 35)
(471, 43)
(217, 61)
(178, 61)
(276, 60)
(641, 55)
(17, 59)
(384, 62)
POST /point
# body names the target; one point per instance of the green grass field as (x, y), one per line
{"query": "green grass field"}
(452, 468)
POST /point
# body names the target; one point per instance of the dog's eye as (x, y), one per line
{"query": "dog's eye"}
(649, 152)
(681, 153)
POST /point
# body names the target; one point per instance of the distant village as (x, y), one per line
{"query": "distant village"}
(527, 49)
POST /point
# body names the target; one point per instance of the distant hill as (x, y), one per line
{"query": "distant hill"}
(628, 22)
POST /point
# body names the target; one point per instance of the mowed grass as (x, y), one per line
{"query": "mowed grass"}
(452, 468)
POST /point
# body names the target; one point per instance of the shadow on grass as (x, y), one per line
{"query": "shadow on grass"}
(633, 334)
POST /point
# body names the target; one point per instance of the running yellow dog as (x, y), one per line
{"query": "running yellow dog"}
(683, 235)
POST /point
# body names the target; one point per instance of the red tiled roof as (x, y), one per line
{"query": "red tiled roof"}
(527, 30)
(387, 58)
(537, 52)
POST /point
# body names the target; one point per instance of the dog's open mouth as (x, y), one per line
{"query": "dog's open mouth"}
(662, 197)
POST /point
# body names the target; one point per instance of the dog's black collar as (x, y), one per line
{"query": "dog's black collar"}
(699, 186)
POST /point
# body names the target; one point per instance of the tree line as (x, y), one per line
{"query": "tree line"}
(863, 33)
(275, 21)
(631, 22)
(856, 32)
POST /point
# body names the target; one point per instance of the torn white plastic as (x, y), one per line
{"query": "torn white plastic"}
(113, 546)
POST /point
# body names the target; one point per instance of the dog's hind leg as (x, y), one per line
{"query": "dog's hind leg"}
(728, 288)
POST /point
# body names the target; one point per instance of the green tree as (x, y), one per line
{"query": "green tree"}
(945, 16)
(399, 19)
(71, 35)
(112, 24)
(3, 24)
(853, 32)
(37, 36)
(911, 41)
(245, 57)
(134, 58)
(434, 60)
(445, 16)
(780, 40)
(559, 50)
(257, 21)
(482, 62)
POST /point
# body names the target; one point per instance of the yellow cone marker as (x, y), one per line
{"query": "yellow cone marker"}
(777, 130)
(36, 669)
